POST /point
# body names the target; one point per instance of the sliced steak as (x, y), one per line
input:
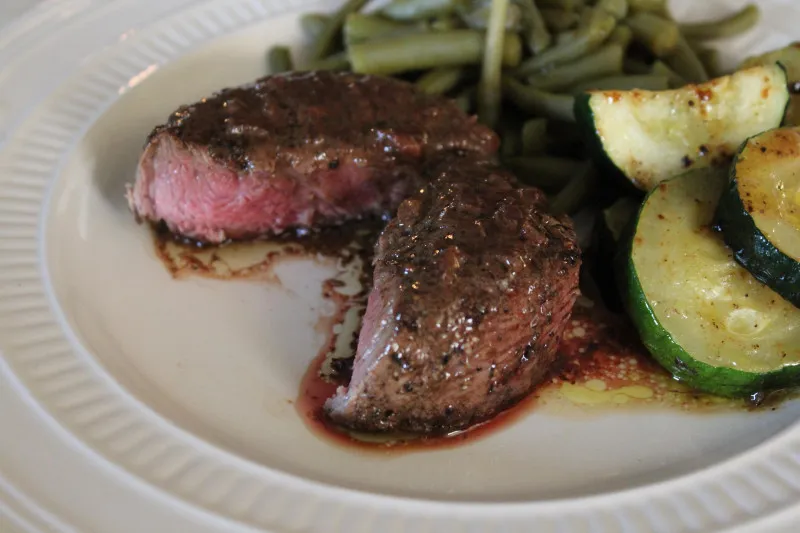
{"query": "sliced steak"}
(474, 283)
(295, 150)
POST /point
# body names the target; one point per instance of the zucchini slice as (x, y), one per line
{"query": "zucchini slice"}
(650, 136)
(702, 315)
(789, 58)
(759, 212)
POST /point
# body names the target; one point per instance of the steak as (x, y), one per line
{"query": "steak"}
(474, 283)
(297, 150)
(473, 280)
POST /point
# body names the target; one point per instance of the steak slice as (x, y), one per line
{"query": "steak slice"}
(295, 150)
(474, 283)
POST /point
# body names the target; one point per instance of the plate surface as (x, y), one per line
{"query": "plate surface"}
(186, 385)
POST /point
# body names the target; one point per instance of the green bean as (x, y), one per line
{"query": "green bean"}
(537, 37)
(279, 59)
(313, 24)
(565, 139)
(417, 9)
(659, 68)
(476, 14)
(568, 5)
(465, 99)
(534, 136)
(788, 56)
(490, 92)
(326, 42)
(736, 23)
(511, 141)
(563, 132)
(586, 14)
(659, 35)
(644, 82)
(337, 61)
(635, 66)
(428, 50)
(439, 80)
(710, 59)
(558, 20)
(607, 60)
(598, 27)
(622, 35)
(566, 37)
(617, 8)
(463, 102)
(549, 173)
(359, 27)
(659, 7)
(685, 62)
(444, 23)
(576, 192)
(618, 215)
(541, 103)
(585, 18)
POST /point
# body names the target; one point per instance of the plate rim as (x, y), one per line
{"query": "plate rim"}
(154, 47)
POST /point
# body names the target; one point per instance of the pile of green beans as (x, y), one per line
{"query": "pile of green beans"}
(518, 65)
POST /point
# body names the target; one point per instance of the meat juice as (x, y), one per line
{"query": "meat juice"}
(256, 260)
(601, 365)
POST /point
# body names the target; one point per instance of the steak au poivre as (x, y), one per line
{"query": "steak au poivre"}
(474, 280)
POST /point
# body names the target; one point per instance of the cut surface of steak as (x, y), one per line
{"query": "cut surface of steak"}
(474, 283)
(295, 150)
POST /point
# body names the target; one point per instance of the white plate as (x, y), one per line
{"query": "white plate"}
(182, 386)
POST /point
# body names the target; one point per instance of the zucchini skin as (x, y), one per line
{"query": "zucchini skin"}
(752, 249)
(750, 246)
(609, 172)
(721, 381)
(789, 115)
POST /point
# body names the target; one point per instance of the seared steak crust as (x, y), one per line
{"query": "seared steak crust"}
(474, 281)
(474, 284)
(295, 150)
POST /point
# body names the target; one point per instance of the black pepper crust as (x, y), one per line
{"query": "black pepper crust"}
(281, 120)
(474, 283)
